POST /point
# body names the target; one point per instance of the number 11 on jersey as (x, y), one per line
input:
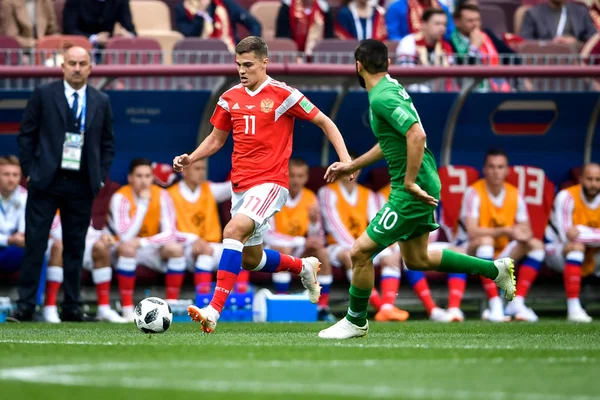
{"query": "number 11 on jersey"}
(250, 121)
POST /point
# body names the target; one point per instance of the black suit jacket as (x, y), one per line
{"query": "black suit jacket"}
(43, 129)
(89, 17)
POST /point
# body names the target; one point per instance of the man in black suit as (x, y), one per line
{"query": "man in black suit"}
(66, 146)
(96, 19)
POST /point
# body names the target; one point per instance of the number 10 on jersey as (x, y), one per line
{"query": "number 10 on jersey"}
(250, 121)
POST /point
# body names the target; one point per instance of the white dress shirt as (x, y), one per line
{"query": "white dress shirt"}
(69, 91)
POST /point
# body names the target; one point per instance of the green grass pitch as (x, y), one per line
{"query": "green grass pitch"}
(414, 360)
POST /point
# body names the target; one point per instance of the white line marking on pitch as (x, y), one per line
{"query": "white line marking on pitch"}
(65, 375)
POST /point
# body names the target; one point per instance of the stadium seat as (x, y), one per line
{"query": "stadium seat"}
(10, 49)
(133, 51)
(266, 13)
(282, 50)
(150, 15)
(537, 191)
(518, 18)
(101, 206)
(455, 180)
(315, 178)
(334, 51)
(49, 48)
(166, 40)
(377, 178)
(201, 51)
(392, 45)
(171, 4)
(493, 18)
(574, 175)
(508, 7)
(59, 5)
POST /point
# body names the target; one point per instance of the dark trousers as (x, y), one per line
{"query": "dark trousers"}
(71, 194)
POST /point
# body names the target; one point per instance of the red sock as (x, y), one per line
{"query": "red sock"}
(126, 287)
(375, 300)
(173, 282)
(389, 289)
(103, 293)
(525, 279)
(572, 280)
(242, 281)
(456, 290)
(490, 287)
(51, 293)
(202, 281)
(324, 300)
(421, 289)
(225, 282)
(289, 263)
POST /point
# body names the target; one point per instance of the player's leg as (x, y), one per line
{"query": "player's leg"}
(570, 256)
(126, 266)
(355, 324)
(200, 257)
(389, 261)
(174, 255)
(282, 280)
(532, 254)
(54, 279)
(456, 284)
(420, 285)
(97, 258)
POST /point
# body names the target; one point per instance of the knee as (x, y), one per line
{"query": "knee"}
(251, 260)
(237, 230)
(126, 250)
(57, 247)
(535, 244)
(485, 241)
(574, 246)
(416, 262)
(172, 250)
(358, 256)
(100, 249)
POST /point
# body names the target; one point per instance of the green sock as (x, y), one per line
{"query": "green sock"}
(456, 262)
(359, 301)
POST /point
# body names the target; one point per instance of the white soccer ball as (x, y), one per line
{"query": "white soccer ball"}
(153, 315)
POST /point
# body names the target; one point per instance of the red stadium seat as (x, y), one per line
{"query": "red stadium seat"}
(378, 178)
(9, 55)
(315, 178)
(101, 205)
(537, 191)
(455, 180)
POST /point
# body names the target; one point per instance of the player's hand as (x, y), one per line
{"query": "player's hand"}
(199, 247)
(181, 162)
(338, 170)
(572, 233)
(476, 37)
(420, 194)
(314, 214)
(17, 239)
(107, 239)
(135, 243)
(313, 243)
(522, 233)
(145, 194)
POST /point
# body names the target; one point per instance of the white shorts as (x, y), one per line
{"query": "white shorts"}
(88, 260)
(259, 203)
(190, 261)
(147, 256)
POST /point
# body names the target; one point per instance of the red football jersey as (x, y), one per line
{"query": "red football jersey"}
(263, 125)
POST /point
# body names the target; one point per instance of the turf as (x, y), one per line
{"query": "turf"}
(414, 360)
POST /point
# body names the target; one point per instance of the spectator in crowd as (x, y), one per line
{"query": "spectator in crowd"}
(359, 20)
(404, 17)
(214, 19)
(595, 13)
(305, 22)
(27, 20)
(96, 19)
(65, 172)
(347, 208)
(559, 22)
(471, 44)
(142, 217)
(96, 259)
(427, 47)
(198, 226)
(494, 222)
(573, 237)
(590, 53)
(296, 230)
(12, 214)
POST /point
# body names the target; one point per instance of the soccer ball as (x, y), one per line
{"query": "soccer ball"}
(153, 315)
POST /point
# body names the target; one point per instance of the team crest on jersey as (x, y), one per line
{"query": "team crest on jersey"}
(266, 105)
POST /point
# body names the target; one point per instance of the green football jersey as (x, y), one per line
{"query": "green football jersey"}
(391, 114)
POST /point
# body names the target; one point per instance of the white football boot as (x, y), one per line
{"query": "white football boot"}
(456, 314)
(107, 314)
(440, 315)
(308, 276)
(579, 316)
(128, 313)
(506, 277)
(207, 317)
(519, 311)
(344, 329)
(50, 314)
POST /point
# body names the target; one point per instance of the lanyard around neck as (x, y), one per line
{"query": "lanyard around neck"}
(561, 22)
(360, 35)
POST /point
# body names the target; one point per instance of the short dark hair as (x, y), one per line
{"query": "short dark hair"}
(430, 12)
(253, 44)
(495, 152)
(138, 162)
(470, 7)
(373, 55)
(297, 162)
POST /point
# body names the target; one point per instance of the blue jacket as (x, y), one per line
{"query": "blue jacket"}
(396, 19)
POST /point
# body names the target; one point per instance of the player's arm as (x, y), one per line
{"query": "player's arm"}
(333, 134)
(415, 148)
(469, 215)
(340, 169)
(522, 226)
(125, 227)
(167, 223)
(564, 205)
(331, 218)
(221, 191)
(274, 238)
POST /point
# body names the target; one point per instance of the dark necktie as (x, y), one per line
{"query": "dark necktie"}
(75, 104)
